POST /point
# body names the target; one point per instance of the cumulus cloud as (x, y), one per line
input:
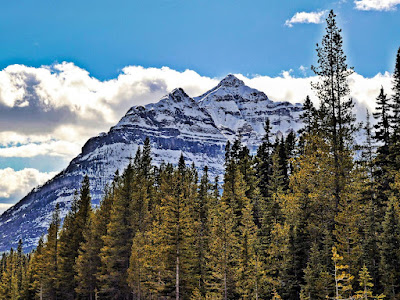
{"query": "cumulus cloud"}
(16, 184)
(52, 148)
(379, 5)
(315, 17)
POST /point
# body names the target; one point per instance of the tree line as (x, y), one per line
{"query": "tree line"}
(309, 216)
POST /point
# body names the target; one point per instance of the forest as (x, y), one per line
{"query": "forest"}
(312, 215)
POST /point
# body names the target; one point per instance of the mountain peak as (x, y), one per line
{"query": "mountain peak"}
(231, 81)
(178, 94)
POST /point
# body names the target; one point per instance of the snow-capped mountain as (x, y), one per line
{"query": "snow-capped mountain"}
(197, 127)
(239, 109)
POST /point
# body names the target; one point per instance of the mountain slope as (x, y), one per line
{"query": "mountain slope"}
(197, 127)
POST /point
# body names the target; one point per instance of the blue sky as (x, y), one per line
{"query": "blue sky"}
(212, 37)
(71, 69)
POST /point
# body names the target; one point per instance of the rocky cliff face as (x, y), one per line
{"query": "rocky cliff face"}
(196, 127)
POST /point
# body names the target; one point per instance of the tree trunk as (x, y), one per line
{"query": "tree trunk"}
(177, 275)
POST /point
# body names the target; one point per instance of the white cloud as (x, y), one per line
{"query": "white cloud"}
(364, 90)
(303, 70)
(4, 207)
(51, 148)
(316, 17)
(16, 184)
(380, 5)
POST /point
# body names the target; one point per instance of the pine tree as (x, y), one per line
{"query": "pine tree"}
(201, 210)
(308, 117)
(6, 284)
(396, 97)
(317, 279)
(276, 255)
(71, 238)
(223, 247)
(332, 89)
(36, 272)
(383, 116)
(382, 136)
(116, 251)
(173, 232)
(366, 285)
(343, 279)
(390, 260)
(249, 268)
(51, 259)
(348, 220)
(88, 265)
(263, 161)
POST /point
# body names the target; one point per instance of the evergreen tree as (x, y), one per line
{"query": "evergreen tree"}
(317, 278)
(308, 117)
(71, 238)
(396, 97)
(383, 116)
(390, 260)
(366, 285)
(6, 284)
(263, 161)
(51, 259)
(173, 232)
(223, 247)
(249, 269)
(116, 251)
(36, 272)
(202, 231)
(332, 89)
(88, 265)
(343, 279)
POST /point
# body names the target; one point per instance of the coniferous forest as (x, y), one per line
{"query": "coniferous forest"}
(309, 216)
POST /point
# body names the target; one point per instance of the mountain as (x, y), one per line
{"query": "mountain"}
(196, 127)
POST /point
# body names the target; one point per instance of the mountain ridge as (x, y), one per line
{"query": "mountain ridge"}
(197, 127)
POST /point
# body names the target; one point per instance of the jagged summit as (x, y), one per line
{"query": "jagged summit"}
(231, 81)
(196, 127)
(179, 94)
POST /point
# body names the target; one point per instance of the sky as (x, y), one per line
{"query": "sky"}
(71, 69)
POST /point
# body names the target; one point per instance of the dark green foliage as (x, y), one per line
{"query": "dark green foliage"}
(396, 97)
(389, 248)
(71, 238)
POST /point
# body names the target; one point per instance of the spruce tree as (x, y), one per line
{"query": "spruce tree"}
(308, 117)
(71, 238)
(116, 251)
(343, 279)
(201, 210)
(332, 89)
(390, 260)
(173, 232)
(263, 161)
(36, 272)
(222, 254)
(396, 97)
(383, 116)
(317, 277)
(249, 268)
(51, 258)
(88, 265)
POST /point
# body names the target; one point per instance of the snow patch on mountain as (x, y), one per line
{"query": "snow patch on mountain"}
(196, 127)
